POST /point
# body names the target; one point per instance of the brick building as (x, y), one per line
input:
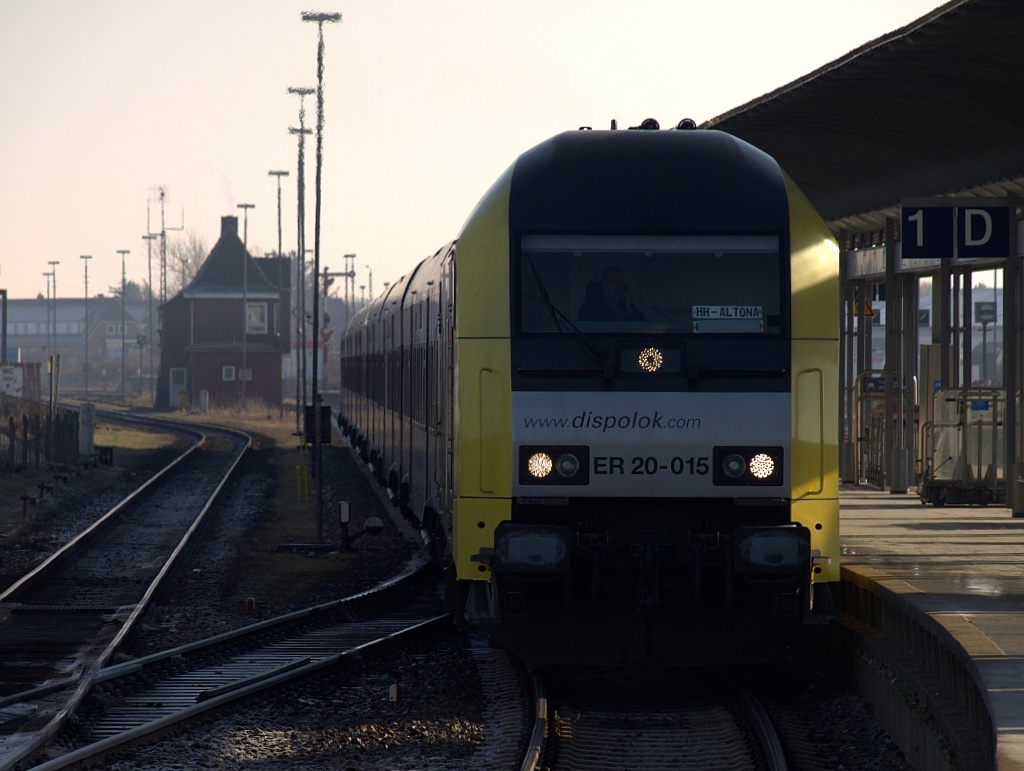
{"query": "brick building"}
(205, 346)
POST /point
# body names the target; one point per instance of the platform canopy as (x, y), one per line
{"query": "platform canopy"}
(935, 108)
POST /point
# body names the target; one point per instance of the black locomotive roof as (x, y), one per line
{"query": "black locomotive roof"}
(647, 181)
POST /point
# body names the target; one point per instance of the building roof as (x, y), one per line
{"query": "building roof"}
(72, 309)
(935, 108)
(221, 275)
(277, 270)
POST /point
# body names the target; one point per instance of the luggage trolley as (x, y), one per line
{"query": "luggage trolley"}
(965, 448)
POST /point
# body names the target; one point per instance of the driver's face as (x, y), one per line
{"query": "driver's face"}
(614, 285)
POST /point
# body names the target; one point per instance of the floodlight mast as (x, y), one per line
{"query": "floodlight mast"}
(85, 261)
(280, 262)
(245, 293)
(49, 353)
(300, 263)
(53, 267)
(350, 280)
(278, 174)
(149, 238)
(124, 320)
(320, 19)
(3, 326)
(163, 245)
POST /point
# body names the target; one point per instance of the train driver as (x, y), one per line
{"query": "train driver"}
(609, 300)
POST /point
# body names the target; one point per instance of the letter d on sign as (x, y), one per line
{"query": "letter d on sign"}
(977, 227)
(983, 231)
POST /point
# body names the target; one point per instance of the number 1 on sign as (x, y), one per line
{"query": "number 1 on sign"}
(918, 219)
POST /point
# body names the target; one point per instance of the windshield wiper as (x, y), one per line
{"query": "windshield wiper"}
(592, 351)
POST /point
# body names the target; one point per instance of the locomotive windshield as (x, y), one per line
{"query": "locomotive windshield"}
(701, 285)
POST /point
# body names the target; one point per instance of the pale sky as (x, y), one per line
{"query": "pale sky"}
(426, 104)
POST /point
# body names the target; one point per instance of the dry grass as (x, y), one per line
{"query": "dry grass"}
(132, 444)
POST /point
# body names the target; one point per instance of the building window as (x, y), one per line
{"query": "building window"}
(256, 318)
(227, 373)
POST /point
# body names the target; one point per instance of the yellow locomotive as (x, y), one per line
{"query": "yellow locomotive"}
(611, 403)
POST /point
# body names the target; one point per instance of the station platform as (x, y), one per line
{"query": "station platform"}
(961, 567)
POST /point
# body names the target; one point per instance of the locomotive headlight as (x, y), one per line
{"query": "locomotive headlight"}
(567, 465)
(762, 466)
(734, 466)
(650, 360)
(539, 465)
(748, 466)
(554, 465)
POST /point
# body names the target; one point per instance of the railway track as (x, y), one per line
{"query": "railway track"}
(632, 720)
(136, 701)
(63, 621)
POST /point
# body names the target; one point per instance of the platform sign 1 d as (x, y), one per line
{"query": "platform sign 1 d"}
(932, 232)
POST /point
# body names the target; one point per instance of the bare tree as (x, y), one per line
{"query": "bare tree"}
(133, 291)
(185, 255)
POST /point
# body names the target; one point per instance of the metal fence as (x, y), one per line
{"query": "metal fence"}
(31, 436)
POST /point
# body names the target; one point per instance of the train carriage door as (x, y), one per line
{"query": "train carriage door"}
(427, 396)
(343, 354)
(358, 378)
(446, 380)
(375, 353)
(366, 408)
(403, 454)
(393, 370)
(398, 396)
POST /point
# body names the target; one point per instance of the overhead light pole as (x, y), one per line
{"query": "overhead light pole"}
(245, 227)
(48, 274)
(85, 262)
(149, 238)
(278, 174)
(124, 316)
(300, 267)
(319, 19)
(279, 319)
(3, 326)
(350, 282)
(53, 267)
(245, 293)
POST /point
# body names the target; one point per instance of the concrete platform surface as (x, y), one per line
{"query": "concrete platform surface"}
(964, 567)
